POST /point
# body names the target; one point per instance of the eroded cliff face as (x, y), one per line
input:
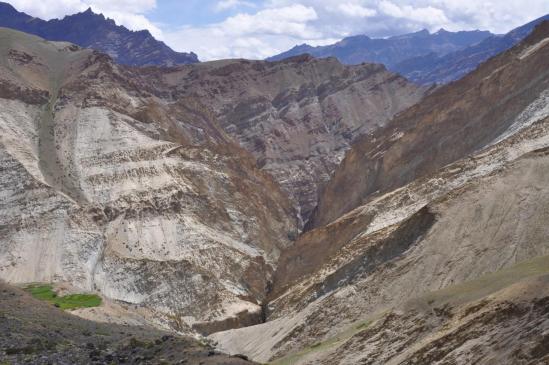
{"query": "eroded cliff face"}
(109, 188)
(152, 188)
(449, 259)
(297, 117)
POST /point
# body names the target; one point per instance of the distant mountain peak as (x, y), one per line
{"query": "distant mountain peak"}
(93, 30)
(422, 57)
(392, 50)
(435, 68)
(7, 7)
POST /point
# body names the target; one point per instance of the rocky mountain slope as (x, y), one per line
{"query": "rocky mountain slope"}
(449, 124)
(178, 194)
(393, 50)
(91, 30)
(133, 183)
(112, 189)
(37, 333)
(444, 258)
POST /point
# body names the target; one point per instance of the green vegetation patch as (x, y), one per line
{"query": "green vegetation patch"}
(46, 293)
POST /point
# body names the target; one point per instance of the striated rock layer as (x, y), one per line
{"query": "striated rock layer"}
(456, 120)
(298, 116)
(111, 189)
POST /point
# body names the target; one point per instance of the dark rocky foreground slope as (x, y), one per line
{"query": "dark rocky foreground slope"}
(33, 332)
(443, 258)
(91, 30)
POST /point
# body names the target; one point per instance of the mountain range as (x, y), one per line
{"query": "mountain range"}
(422, 57)
(299, 211)
(393, 50)
(90, 30)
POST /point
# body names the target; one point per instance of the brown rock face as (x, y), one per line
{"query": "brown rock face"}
(478, 331)
(298, 116)
(449, 124)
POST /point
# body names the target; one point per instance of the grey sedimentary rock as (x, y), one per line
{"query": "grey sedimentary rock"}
(109, 188)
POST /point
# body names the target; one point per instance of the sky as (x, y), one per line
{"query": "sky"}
(257, 29)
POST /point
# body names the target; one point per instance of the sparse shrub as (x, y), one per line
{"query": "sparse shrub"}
(134, 343)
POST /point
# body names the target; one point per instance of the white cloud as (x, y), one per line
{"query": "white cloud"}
(427, 15)
(258, 35)
(48, 9)
(291, 20)
(223, 5)
(356, 10)
(260, 28)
